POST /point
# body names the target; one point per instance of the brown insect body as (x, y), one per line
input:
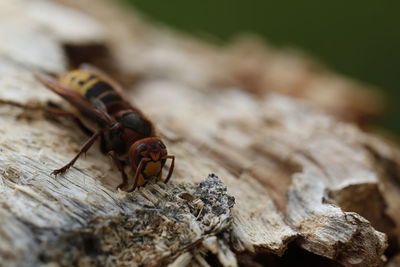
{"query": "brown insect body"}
(126, 134)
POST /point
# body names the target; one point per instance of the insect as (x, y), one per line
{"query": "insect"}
(125, 134)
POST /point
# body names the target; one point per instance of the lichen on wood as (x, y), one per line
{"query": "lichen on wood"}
(165, 222)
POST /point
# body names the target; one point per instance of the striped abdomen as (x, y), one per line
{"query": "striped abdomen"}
(104, 96)
(92, 88)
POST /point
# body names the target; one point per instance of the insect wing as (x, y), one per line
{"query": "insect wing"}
(74, 98)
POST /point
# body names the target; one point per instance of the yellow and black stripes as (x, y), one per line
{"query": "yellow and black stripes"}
(91, 87)
(103, 92)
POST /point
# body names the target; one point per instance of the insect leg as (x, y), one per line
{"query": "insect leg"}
(103, 144)
(70, 115)
(83, 149)
(171, 168)
(51, 111)
(117, 163)
(16, 104)
(138, 171)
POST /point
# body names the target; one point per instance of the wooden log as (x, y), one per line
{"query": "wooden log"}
(327, 230)
(285, 171)
(260, 69)
(295, 138)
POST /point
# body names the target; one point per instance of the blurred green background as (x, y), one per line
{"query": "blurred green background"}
(360, 39)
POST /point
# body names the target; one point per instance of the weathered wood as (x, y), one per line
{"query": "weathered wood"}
(261, 69)
(329, 231)
(296, 173)
(294, 138)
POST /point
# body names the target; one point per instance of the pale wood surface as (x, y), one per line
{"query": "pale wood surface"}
(297, 174)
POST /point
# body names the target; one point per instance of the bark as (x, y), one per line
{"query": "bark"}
(257, 172)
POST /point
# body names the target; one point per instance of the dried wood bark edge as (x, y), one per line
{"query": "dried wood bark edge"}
(326, 230)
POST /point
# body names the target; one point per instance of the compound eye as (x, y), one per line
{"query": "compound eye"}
(141, 152)
(141, 148)
(163, 148)
(161, 144)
